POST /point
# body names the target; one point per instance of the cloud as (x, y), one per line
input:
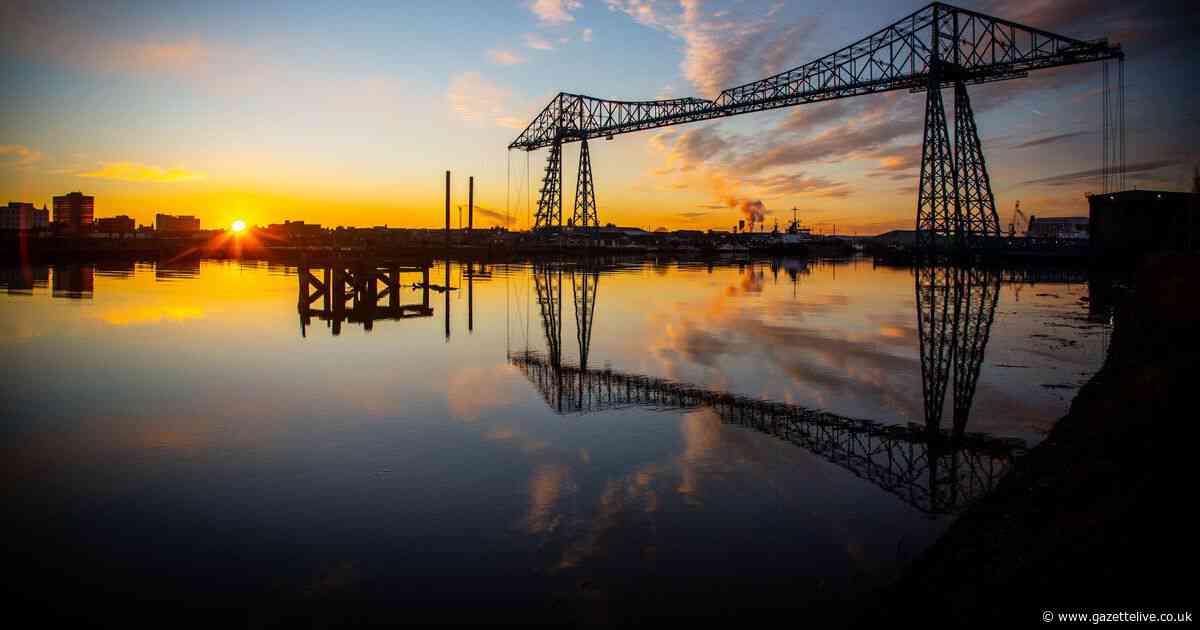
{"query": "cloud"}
(1049, 139)
(504, 57)
(135, 172)
(586, 35)
(477, 100)
(1139, 27)
(19, 154)
(724, 48)
(554, 11)
(1070, 178)
(692, 216)
(537, 42)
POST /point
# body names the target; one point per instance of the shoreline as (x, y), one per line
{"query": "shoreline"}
(1089, 517)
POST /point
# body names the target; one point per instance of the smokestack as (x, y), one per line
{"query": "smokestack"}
(447, 206)
(471, 203)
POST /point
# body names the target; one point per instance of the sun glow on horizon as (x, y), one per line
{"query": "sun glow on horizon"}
(239, 226)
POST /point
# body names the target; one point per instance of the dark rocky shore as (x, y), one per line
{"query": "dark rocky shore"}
(1097, 516)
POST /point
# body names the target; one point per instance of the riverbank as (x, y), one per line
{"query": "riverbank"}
(1094, 517)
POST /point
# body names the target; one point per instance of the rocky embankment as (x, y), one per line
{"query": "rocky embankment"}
(1099, 515)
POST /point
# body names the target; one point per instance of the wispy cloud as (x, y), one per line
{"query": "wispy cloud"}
(19, 154)
(554, 11)
(723, 48)
(1070, 178)
(479, 101)
(537, 42)
(504, 57)
(1035, 142)
(135, 172)
(586, 35)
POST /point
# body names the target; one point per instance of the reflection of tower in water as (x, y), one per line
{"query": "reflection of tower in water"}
(548, 283)
(956, 307)
(935, 470)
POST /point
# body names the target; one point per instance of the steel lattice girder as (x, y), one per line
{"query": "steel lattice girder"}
(939, 40)
(549, 210)
(976, 203)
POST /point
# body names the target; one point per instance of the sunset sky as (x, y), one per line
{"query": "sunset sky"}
(349, 113)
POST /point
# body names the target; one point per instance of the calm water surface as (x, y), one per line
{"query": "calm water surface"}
(179, 431)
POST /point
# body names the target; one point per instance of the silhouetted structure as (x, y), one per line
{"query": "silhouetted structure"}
(1134, 222)
(171, 224)
(359, 283)
(23, 216)
(74, 211)
(120, 224)
(936, 47)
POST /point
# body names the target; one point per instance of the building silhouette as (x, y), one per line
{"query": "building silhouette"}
(74, 211)
(120, 224)
(183, 223)
(19, 215)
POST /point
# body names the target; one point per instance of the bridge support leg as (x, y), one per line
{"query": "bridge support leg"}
(974, 189)
(549, 210)
(585, 214)
(936, 198)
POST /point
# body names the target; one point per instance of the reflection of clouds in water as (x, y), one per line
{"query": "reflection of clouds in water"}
(714, 333)
(548, 484)
(474, 390)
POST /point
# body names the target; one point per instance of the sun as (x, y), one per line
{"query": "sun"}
(239, 225)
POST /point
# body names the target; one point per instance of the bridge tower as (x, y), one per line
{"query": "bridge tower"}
(586, 214)
(549, 210)
(976, 203)
(955, 204)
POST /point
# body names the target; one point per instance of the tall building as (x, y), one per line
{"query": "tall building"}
(176, 224)
(23, 216)
(74, 211)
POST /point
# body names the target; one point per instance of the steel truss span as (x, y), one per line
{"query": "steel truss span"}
(937, 46)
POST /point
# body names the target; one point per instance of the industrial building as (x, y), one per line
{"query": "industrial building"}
(1135, 222)
(1058, 227)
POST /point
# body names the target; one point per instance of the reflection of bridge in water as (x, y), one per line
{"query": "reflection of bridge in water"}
(352, 291)
(366, 291)
(937, 471)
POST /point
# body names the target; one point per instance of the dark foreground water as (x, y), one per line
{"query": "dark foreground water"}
(564, 442)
